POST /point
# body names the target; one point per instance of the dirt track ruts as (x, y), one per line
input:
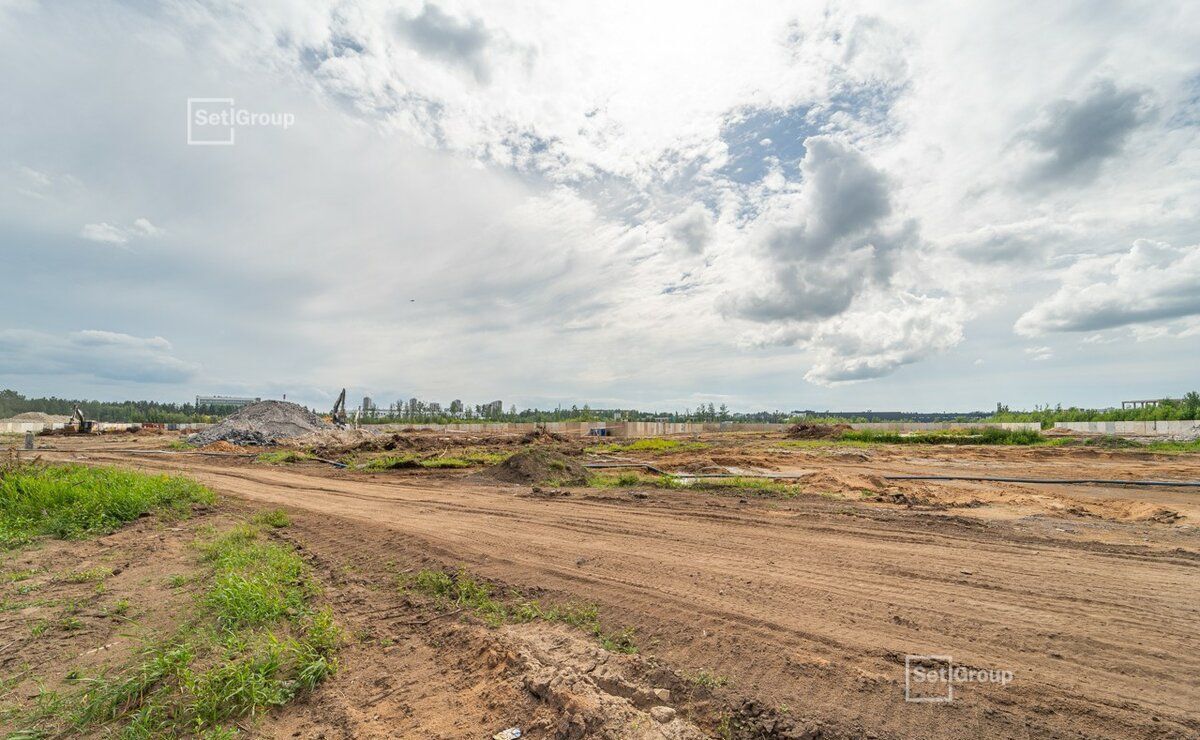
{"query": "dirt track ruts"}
(812, 604)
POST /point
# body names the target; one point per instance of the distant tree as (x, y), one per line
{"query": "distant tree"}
(1191, 405)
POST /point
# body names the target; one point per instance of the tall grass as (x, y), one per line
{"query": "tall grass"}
(74, 501)
(257, 642)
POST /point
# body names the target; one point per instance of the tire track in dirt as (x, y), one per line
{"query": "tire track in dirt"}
(809, 607)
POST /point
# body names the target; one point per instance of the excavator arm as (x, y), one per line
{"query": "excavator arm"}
(339, 409)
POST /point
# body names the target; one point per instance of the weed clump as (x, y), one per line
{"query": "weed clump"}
(256, 642)
(459, 589)
(276, 518)
(282, 457)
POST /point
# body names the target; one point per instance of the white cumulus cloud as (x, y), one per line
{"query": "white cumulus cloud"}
(1152, 282)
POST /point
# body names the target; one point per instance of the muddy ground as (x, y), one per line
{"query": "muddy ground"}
(755, 616)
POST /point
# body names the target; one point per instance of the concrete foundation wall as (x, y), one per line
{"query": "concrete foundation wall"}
(1186, 428)
(937, 426)
(20, 427)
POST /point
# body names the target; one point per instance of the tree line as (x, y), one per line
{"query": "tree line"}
(415, 411)
(1187, 407)
(13, 403)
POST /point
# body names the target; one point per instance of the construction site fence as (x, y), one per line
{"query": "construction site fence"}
(20, 427)
(633, 429)
(1186, 428)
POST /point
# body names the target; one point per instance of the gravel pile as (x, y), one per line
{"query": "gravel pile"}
(262, 423)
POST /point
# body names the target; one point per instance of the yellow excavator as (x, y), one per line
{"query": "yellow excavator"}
(81, 425)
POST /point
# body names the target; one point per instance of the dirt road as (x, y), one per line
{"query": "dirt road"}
(809, 606)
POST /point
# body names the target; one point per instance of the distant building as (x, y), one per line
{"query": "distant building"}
(1148, 403)
(238, 401)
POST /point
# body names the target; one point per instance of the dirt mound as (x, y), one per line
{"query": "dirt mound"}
(40, 416)
(538, 465)
(221, 446)
(543, 436)
(262, 423)
(816, 431)
(845, 481)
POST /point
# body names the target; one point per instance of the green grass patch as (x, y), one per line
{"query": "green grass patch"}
(74, 501)
(276, 518)
(756, 486)
(254, 583)
(179, 444)
(1122, 443)
(25, 574)
(823, 443)
(391, 462)
(90, 575)
(978, 436)
(445, 462)
(462, 460)
(459, 589)
(966, 436)
(256, 641)
(478, 456)
(1189, 446)
(632, 479)
(650, 444)
(283, 457)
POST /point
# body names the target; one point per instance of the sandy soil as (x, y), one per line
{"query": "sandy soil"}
(808, 606)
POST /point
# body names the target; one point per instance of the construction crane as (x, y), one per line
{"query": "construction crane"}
(338, 415)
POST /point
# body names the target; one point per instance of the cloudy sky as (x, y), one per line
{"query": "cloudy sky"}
(775, 205)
